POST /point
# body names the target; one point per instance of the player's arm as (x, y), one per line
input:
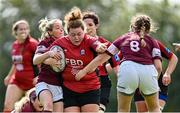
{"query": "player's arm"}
(40, 57)
(171, 67)
(100, 59)
(158, 65)
(177, 46)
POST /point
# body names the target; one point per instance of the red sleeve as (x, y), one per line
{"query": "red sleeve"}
(34, 44)
(103, 40)
(165, 52)
(92, 41)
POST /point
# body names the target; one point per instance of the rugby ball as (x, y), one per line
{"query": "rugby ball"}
(62, 61)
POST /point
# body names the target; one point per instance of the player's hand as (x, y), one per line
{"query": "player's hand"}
(54, 54)
(80, 75)
(102, 47)
(166, 80)
(177, 46)
(6, 80)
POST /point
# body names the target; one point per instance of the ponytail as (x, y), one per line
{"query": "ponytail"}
(42, 27)
(142, 32)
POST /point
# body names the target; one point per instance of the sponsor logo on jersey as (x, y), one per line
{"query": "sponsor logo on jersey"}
(116, 57)
(82, 52)
(74, 62)
(168, 50)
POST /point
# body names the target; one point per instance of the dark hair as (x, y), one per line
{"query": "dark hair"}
(91, 15)
(73, 19)
(32, 95)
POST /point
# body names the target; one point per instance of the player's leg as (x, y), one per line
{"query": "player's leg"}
(105, 92)
(149, 87)
(140, 102)
(127, 84)
(45, 96)
(89, 101)
(152, 102)
(57, 95)
(13, 94)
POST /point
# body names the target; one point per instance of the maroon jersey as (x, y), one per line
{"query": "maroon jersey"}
(77, 57)
(46, 73)
(113, 61)
(22, 55)
(130, 46)
(28, 107)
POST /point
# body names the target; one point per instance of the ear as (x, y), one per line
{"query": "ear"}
(97, 26)
(49, 32)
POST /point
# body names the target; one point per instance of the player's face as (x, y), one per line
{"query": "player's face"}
(76, 35)
(91, 27)
(22, 31)
(57, 30)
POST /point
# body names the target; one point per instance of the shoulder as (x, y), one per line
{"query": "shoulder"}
(62, 40)
(102, 39)
(123, 38)
(32, 40)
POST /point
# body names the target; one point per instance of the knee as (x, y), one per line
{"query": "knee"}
(8, 107)
(154, 108)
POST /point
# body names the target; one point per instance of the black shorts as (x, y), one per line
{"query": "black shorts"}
(105, 89)
(72, 98)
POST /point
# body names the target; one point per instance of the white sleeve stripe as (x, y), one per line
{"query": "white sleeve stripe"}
(113, 49)
(156, 52)
(41, 48)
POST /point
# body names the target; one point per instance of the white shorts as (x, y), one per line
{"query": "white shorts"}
(132, 75)
(56, 91)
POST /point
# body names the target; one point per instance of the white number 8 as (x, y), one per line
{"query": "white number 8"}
(134, 45)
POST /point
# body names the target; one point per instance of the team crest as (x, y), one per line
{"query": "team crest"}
(82, 52)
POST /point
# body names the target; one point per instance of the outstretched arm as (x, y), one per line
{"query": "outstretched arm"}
(177, 46)
(100, 59)
(171, 67)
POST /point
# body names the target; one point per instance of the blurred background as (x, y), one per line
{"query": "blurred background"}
(115, 16)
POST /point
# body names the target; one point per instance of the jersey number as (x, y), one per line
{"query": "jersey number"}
(134, 45)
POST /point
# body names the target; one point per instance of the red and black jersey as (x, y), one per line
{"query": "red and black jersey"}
(46, 73)
(22, 55)
(77, 57)
(167, 54)
(114, 61)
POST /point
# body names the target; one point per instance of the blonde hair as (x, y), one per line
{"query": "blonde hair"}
(15, 26)
(18, 105)
(143, 24)
(46, 25)
(73, 19)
